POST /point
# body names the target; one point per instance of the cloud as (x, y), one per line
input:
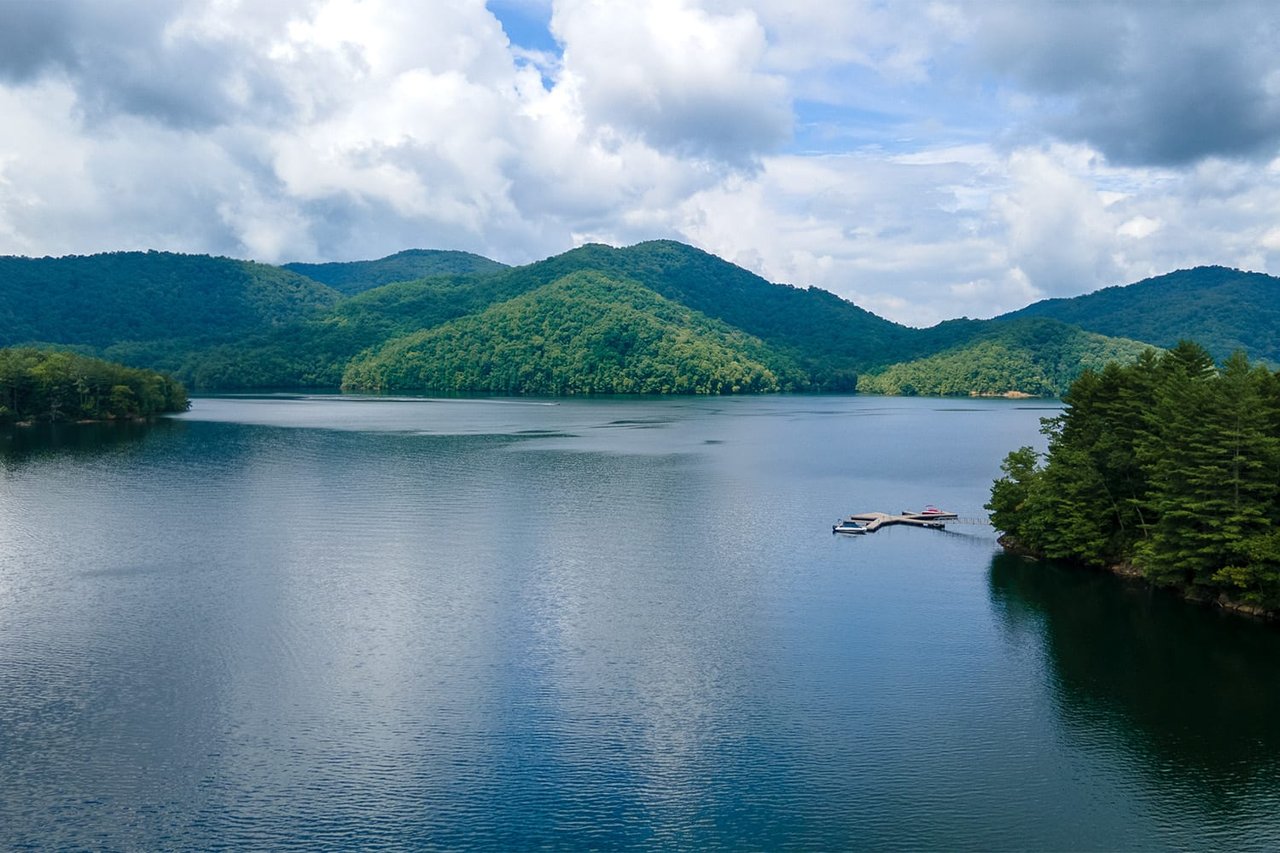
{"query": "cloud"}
(1145, 84)
(685, 80)
(925, 161)
(34, 37)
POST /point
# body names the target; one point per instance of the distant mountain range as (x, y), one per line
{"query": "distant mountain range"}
(657, 317)
(1222, 309)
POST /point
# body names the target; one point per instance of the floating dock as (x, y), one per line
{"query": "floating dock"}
(870, 522)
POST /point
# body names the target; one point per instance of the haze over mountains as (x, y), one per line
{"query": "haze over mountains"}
(656, 317)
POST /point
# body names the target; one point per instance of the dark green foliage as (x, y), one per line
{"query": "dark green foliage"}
(154, 305)
(224, 324)
(134, 296)
(412, 264)
(1224, 309)
(53, 385)
(583, 334)
(831, 338)
(315, 352)
(1169, 463)
(1037, 357)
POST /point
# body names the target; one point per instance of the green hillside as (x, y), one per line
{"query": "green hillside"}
(1223, 309)
(584, 333)
(1026, 356)
(315, 352)
(218, 323)
(832, 338)
(151, 305)
(358, 276)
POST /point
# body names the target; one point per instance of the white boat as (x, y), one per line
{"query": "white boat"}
(930, 513)
(848, 526)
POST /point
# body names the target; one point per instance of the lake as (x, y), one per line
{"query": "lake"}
(300, 622)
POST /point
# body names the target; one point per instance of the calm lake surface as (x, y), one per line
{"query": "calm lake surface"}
(327, 622)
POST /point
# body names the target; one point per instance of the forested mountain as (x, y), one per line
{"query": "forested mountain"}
(315, 352)
(833, 340)
(154, 304)
(582, 334)
(219, 323)
(1222, 309)
(358, 276)
(1032, 356)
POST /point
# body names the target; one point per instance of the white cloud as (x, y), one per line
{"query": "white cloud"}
(681, 78)
(340, 129)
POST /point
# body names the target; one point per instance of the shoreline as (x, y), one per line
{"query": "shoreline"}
(1130, 572)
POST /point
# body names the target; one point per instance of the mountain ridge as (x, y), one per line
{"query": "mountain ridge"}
(220, 323)
(1222, 308)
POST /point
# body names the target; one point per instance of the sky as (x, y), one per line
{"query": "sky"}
(926, 160)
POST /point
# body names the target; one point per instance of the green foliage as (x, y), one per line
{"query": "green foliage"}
(1169, 463)
(1224, 309)
(56, 385)
(315, 352)
(217, 323)
(158, 303)
(832, 339)
(358, 276)
(1036, 357)
(582, 334)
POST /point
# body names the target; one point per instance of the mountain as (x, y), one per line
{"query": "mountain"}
(224, 324)
(584, 333)
(1222, 309)
(831, 339)
(357, 276)
(151, 304)
(1033, 356)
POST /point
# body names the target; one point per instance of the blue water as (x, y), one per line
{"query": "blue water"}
(323, 622)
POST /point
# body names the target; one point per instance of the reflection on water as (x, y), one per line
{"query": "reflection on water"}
(323, 623)
(19, 445)
(1190, 693)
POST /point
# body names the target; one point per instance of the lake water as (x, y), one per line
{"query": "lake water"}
(322, 622)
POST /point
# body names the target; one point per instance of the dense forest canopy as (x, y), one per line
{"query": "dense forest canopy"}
(358, 276)
(221, 324)
(582, 334)
(1030, 356)
(1170, 464)
(111, 299)
(1222, 309)
(63, 386)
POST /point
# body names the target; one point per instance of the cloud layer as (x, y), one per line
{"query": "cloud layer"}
(925, 161)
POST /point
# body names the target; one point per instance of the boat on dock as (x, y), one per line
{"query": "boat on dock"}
(848, 525)
(870, 522)
(931, 513)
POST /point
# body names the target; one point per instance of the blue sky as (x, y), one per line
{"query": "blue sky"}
(924, 159)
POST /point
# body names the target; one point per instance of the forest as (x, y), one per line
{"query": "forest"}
(583, 334)
(225, 324)
(1034, 356)
(48, 385)
(1170, 466)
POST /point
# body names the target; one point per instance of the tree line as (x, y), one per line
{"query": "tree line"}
(1170, 465)
(53, 385)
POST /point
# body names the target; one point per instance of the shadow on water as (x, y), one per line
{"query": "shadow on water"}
(1190, 693)
(20, 446)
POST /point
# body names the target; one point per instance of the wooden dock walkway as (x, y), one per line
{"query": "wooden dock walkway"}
(873, 521)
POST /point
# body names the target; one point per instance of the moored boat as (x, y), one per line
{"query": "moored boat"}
(848, 525)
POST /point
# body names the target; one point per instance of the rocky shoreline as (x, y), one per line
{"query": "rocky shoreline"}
(1131, 572)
